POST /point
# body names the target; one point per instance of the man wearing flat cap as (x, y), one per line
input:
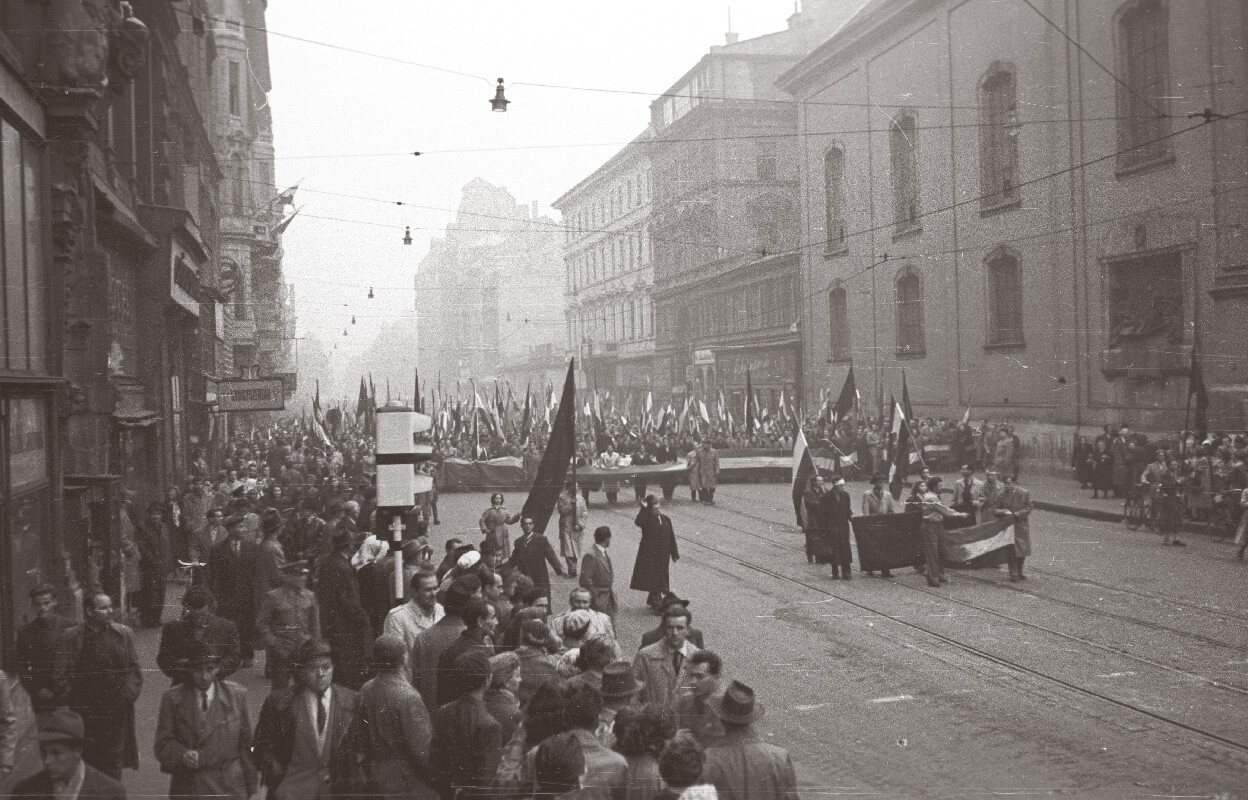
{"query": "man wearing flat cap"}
(203, 732)
(64, 772)
(231, 577)
(287, 615)
(344, 622)
(301, 744)
(742, 766)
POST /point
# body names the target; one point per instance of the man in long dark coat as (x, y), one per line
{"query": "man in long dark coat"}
(344, 622)
(37, 646)
(198, 627)
(654, 553)
(831, 542)
(231, 577)
(98, 678)
(531, 554)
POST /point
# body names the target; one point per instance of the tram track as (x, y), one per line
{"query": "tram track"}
(978, 652)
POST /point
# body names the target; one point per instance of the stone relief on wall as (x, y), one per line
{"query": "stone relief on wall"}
(1146, 300)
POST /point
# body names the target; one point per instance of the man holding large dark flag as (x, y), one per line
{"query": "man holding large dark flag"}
(560, 449)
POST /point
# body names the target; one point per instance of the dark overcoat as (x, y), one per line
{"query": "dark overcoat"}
(656, 551)
(344, 623)
(178, 637)
(95, 785)
(831, 536)
(232, 581)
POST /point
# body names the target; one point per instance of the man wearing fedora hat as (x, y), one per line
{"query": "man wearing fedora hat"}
(232, 579)
(301, 744)
(742, 766)
(655, 553)
(65, 774)
(620, 688)
(203, 732)
(287, 616)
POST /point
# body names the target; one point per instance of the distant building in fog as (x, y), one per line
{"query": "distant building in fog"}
(489, 295)
(934, 239)
(610, 270)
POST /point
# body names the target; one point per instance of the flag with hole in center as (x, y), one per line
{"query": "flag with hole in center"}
(984, 545)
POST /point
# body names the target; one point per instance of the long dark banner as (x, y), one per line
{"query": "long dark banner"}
(889, 541)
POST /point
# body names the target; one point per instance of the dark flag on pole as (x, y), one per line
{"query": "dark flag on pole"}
(845, 403)
(750, 411)
(803, 471)
(526, 424)
(361, 405)
(417, 405)
(1196, 390)
(905, 397)
(560, 449)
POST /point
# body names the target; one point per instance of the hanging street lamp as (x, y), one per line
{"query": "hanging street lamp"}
(500, 101)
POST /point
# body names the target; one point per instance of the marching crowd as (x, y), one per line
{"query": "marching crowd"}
(470, 687)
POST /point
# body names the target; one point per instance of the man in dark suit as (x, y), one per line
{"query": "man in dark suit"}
(37, 643)
(344, 622)
(531, 553)
(301, 744)
(231, 577)
(597, 574)
(61, 740)
(198, 626)
(651, 636)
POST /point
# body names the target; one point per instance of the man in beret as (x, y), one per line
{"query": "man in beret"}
(198, 625)
(203, 732)
(65, 773)
(301, 744)
(231, 577)
(344, 622)
(287, 616)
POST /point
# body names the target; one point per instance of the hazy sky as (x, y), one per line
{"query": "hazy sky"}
(343, 121)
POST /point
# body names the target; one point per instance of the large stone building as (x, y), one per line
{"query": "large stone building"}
(610, 271)
(114, 321)
(1029, 216)
(725, 215)
(489, 295)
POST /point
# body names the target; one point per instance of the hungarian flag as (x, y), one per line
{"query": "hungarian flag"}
(845, 402)
(1196, 389)
(900, 466)
(560, 449)
(966, 417)
(983, 545)
(803, 471)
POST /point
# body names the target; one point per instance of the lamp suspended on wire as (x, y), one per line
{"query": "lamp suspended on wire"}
(370, 293)
(500, 101)
(352, 319)
(344, 331)
(407, 236)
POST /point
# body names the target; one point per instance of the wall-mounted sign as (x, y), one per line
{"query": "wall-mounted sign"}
(704, 356)
(183, 279)
(264, 394)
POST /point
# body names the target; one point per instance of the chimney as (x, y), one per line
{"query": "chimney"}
(533, 206)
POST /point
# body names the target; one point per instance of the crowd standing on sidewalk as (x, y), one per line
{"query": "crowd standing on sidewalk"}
(473, 688)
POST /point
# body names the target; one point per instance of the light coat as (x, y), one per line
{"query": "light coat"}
(1017, 502)
(653, 666)
(221, 736)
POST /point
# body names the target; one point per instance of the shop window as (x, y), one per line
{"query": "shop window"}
(23, 282)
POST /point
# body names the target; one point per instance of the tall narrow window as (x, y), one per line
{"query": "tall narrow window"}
(838, 321)
(903, 147)
(998, 138)
(1005, 298)
(765, 160)
(1144, 64)
(834, 198)
(235, 88)
(909, 291)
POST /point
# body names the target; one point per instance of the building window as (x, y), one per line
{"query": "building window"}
(903, 147)
(235, 87)
(23, 285)
(765, 160)
(834, 198)
(239, 185)
(909, 289)
(838, 321)
(1005, 298)
(998, 138)
(1144, 64)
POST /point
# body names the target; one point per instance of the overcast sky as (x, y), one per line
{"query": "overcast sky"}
(343, 121)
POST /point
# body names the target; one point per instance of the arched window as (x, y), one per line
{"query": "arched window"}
(909, 290)
(834, 198)
(1143, 57)
(838, 325)
(1005, 298)
(903, 149)
(998, 137)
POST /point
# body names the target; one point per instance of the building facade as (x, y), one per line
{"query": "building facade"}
(610, 271)
(725, 217)
(1031, 215)
(489, 294)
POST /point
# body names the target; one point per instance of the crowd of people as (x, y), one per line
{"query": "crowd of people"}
(469, 686)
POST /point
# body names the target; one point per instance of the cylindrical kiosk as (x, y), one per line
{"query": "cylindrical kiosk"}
(397, 484)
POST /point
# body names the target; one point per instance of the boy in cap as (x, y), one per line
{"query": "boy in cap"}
(288, 615)
(203, 733)
(64, 772)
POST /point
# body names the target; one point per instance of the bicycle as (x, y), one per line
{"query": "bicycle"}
(1224, 521)
(1137, 509)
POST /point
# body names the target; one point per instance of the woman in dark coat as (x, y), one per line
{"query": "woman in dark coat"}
(810, 513)
(831, 539)
(656, 549)
(1102, 461)
(1081, 460)
(153, 541)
